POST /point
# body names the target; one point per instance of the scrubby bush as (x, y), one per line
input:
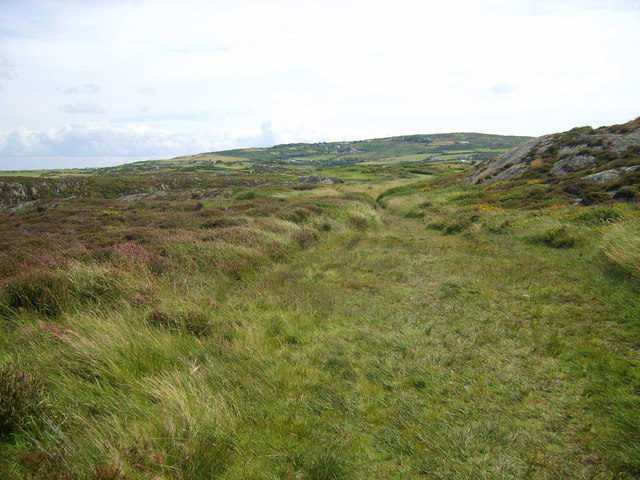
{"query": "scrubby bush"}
(304, 238)
(20, 398)
(295, 215)
(160, 318)
(447, 227)
(247, 195)
(224, 222)
(500, 227)
(626, 193)
(46, 465)
(414, 213)
(193, 321)
(196, 322)
(596, 216)
(594, 195)
(359, 223)
(41, 290)
(562, 236)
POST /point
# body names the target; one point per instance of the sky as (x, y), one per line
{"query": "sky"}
(85, 84)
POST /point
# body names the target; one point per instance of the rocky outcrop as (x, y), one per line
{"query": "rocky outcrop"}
(489, 170)
(23, 193)
(609, 175)
(319, 179)
(598, 155)
(572, 164)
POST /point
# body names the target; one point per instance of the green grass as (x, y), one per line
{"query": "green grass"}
(318, 334)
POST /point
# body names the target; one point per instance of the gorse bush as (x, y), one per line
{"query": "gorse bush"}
(20, 398)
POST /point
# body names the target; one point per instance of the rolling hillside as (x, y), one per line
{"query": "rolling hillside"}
(394, 150)
(399, 324)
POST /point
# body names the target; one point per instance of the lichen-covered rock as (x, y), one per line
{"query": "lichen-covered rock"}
(573, 154)
(572, 164)
(489, 171)
(609, 175)
(319, 179)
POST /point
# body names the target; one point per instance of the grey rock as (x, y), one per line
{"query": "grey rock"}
(319, 179)
(608, 175)
(499, 168)
(134, 197)
(621, 142)
(569, 164)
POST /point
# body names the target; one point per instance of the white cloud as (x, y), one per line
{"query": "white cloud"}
(89, 108)
(317, 69)
(95, 142)
(87, 89)
(6, 70)
(501, 89)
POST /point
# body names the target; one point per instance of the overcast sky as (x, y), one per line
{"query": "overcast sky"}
(106, 82)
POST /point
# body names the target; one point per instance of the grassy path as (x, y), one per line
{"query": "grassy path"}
(405, 353)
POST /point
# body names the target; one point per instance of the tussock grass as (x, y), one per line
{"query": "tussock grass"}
(622, 248)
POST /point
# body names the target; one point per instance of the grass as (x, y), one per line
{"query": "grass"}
(321, 334)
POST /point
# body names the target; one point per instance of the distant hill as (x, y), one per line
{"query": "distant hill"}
(593, 164)
(468, 147)
(247, 166)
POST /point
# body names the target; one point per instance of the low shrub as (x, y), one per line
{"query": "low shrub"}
(500, 228)
(247, 195)
(45, 465)
(414, 213)
(452, 226)
(193, 321)
(41, 291)
(359, 223)
(447, 227)
(304, 238)
(196, 322)
(21, 398)
(159, 318)
(295, 215)
(594, 196)
(224, 222)
(595, 216)
(562, 236)
(626, 193)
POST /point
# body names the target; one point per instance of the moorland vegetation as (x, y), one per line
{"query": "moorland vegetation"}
(402, 324)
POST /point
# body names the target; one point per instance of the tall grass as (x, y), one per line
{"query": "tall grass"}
(622, 248)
